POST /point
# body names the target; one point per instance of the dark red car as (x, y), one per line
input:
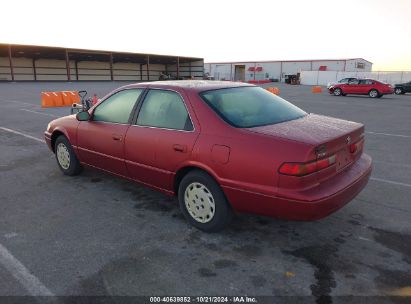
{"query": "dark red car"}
(220, 147)
(370, 87)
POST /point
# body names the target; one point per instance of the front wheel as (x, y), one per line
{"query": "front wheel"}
(337, 92)
(203, 203)
(398, 91)
(65, 156)
(373, 93)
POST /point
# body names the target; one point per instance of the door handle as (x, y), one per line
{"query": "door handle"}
(117, 137)
(180, 148)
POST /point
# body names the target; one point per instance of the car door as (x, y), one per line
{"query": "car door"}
(351, 87)
(407, 87)
(101, 139)
(364, 86)
(161, 138)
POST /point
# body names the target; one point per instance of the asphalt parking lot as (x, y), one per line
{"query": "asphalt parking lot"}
(96, 234)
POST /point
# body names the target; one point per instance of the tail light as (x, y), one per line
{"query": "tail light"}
(355, 147)
(301, 169)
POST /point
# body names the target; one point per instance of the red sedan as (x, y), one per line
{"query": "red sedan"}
(370, 87)
(219, 147)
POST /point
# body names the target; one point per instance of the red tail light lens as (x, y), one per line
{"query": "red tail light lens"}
(353, 148)
(356, 147)
(301, 169)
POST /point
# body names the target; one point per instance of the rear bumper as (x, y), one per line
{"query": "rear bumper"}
(340, 190)
(388, 91)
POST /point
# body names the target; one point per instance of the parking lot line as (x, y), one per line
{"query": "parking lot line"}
(20, 102)
(22, 134)
(46, 114)
(31, 283)
(388, 134)
(389, 182)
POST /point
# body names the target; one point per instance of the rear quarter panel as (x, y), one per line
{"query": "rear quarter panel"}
(253, 160)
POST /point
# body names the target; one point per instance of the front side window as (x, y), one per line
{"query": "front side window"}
(246, 107)
(164, 109)
(354, 81)
(346, 80)
(118, 107)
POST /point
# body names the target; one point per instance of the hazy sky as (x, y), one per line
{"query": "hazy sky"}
(377, 30)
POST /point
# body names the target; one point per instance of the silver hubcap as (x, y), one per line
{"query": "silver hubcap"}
(199, 202)
(337, 92)
(373, 93)
(63, 156)
(398, 91)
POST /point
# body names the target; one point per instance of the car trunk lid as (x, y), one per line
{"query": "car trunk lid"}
(328, 136)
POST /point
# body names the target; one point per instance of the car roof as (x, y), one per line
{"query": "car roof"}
(190, 85)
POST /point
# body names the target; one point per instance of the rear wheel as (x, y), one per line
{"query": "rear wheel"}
(66, 159)
(398, 91)
(203, 203)
(373, 93)
(337, 92)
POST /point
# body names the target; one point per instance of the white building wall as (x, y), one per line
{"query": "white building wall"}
(273, 69)
(352, 66)
(278, 69)
(332, 65)
(222, 71)
(294, 67)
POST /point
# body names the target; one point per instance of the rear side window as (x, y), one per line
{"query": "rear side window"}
(118, 107)
(164, 109)
(247, 107)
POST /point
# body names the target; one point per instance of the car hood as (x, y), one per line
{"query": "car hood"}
(312, 129)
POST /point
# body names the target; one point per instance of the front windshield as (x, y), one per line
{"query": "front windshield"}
(246, 107)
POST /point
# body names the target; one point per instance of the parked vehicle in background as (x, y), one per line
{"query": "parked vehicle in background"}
(402, 88)
(341, 81)
(370, 87)
(219, 147)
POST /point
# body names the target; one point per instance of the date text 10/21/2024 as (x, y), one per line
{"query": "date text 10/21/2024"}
(238, 299)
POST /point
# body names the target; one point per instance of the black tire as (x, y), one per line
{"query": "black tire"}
(343, 94)
(379, 96)
(202, 186)
(398, 91)
(73, 167)
(373, 93)
(337, 92)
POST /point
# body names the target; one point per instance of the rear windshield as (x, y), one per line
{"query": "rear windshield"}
(246, 107)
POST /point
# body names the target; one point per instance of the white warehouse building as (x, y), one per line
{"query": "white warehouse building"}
(265, 71)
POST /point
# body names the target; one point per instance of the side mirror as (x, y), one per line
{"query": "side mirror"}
(83, 116)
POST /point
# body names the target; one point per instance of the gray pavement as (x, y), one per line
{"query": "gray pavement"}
(96, 234)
